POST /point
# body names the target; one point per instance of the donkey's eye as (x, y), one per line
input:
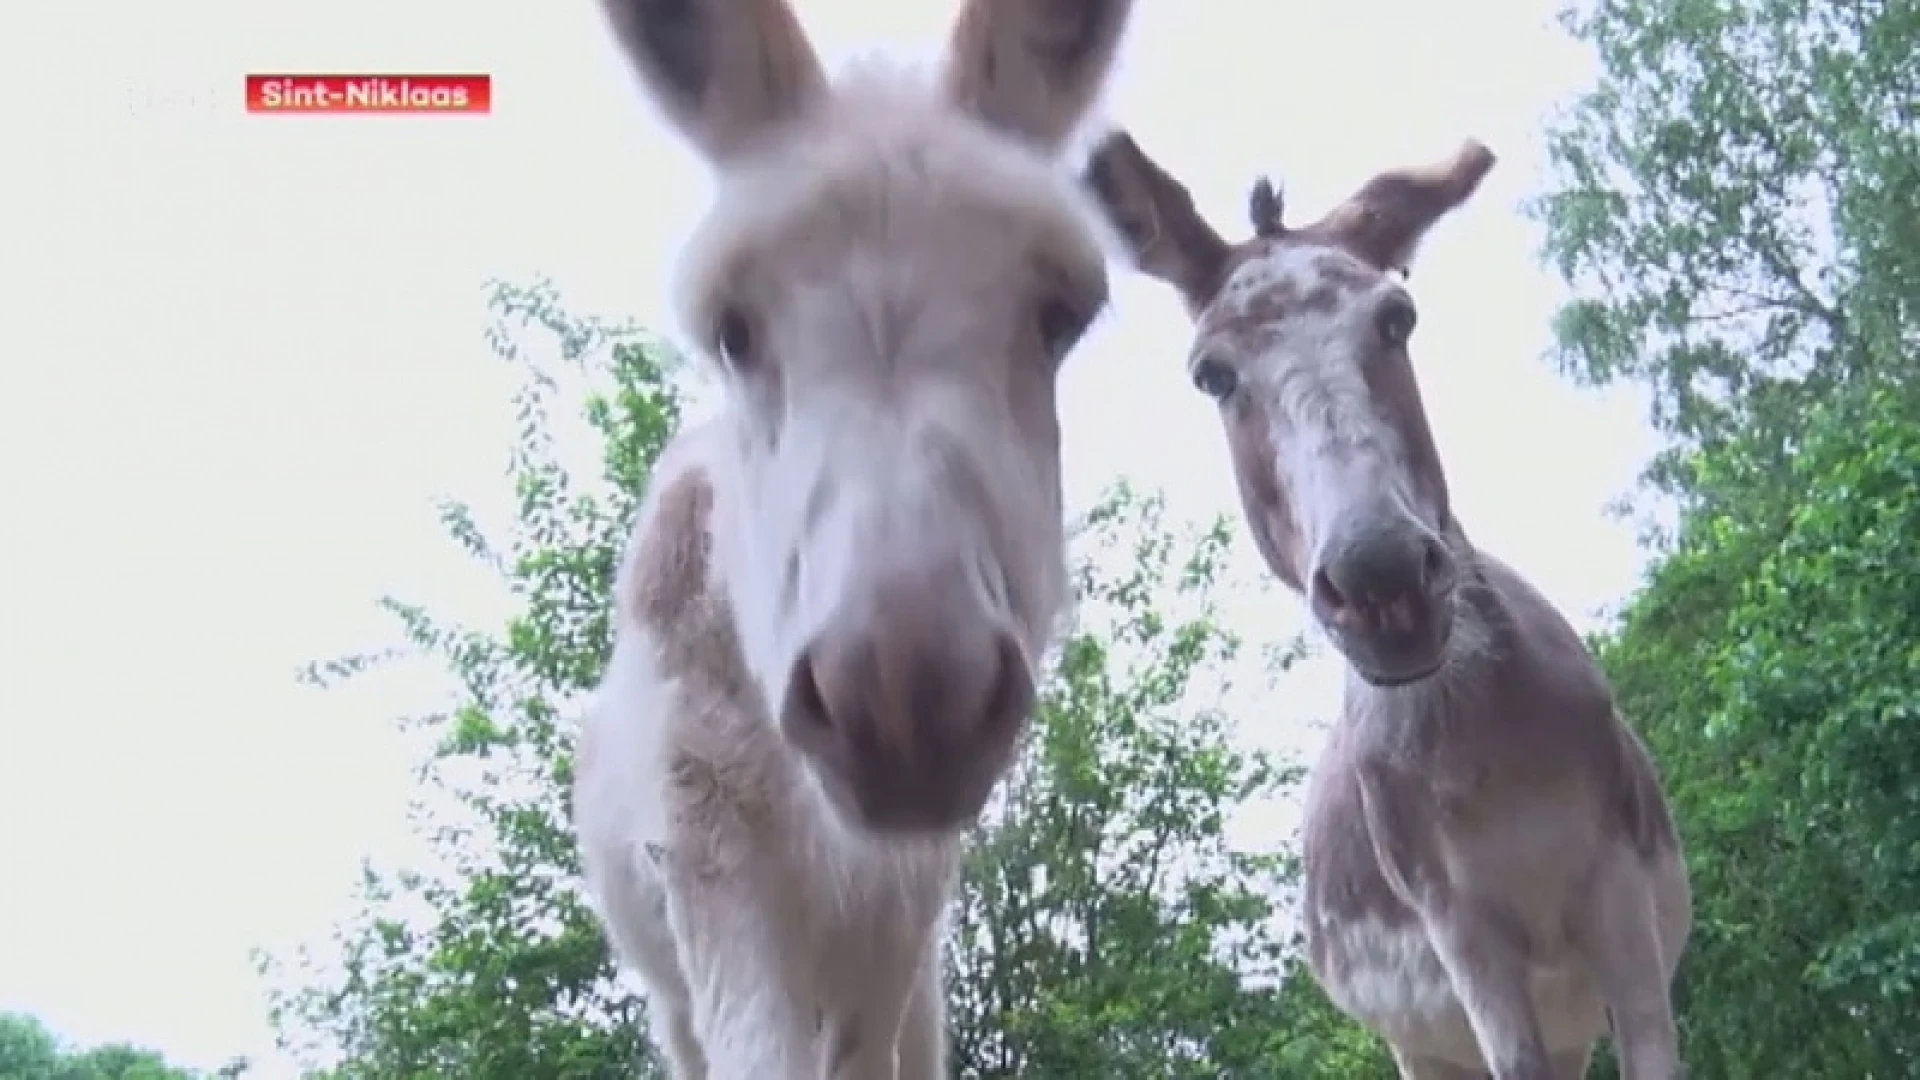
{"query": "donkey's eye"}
(1215, 378)
(733, 337)
(1395, 321)
(1060, 324)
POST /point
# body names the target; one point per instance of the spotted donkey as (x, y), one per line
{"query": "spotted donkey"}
(836, 593)
(1491, 868)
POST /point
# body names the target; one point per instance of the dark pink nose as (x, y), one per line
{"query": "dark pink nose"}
(912, 714)
(1385, 592)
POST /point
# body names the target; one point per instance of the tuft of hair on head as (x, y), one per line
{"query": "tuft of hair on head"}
(1266, 206)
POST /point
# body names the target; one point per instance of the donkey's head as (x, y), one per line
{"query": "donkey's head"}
(890, 278)
(1302, 337)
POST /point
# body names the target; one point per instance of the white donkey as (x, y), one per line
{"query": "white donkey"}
(837, 593)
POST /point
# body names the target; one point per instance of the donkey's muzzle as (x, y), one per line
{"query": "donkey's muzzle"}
(911, 715)
(1385, 594)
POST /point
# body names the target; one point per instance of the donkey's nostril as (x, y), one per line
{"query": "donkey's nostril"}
(1436, 564)
(806, 713)
(1325, 593)
(1012, 697)
(909, 722)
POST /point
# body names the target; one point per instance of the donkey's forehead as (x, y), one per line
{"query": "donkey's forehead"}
(1274, 280)
(886, 164)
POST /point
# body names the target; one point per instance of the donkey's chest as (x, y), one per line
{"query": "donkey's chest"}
(1369, 941)
(1385, 835)
(1385, 973)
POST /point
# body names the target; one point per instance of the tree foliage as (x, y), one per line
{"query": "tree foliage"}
(490, 965)
(1735, 201)
(1785, 724)
(1105, 927)
(1736, 207)
(28, 1051)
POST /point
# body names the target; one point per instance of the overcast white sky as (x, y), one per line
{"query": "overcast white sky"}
(244, 358)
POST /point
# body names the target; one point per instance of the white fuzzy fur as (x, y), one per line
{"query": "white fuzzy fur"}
(759, 924)
(888, 241)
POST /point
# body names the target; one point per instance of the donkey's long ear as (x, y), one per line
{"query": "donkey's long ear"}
(1155, 216)
(1034, 67)
(723, 71)
(1384, 221)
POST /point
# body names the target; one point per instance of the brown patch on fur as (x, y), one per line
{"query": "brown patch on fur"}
(670, 567)
(1269, 512)
(1275, 301)
(1290, 300)
(1338, 273)
(1321, 299)
(1395, 390)
(674, 594)
(696, 776)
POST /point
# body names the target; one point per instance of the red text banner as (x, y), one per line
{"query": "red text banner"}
(414, 94)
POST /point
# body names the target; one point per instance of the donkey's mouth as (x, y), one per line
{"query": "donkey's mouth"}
(1394, 680)
(1388, 660)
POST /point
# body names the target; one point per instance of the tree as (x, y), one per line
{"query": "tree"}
(28, 1051)
(1735, 207)
(1819, 698)
(1784, 723)
(1145, 947)
(1734, 201)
